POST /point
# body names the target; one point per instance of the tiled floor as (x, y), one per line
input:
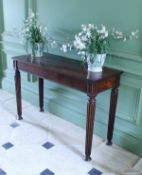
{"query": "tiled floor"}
(43, 144)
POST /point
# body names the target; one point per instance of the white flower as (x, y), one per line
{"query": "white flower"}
(81, 53)
(133, 33)
(64, 48)
(27, 30)
(84, 38)
(53, 44)
(31, 27)
(91, 26)
(103, 30)
(32, 15)
(40, 28)
(79, 45)
(125, 39)
(92, 39)
(88, 34)
(69, 46)
(80, 33)
(84, 28)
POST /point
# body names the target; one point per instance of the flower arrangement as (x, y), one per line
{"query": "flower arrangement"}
(94, 40)
(93, 44)
(90, 40)
(33, 32)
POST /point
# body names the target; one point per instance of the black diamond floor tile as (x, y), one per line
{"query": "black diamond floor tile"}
(14, 125)
(7, 145)
(48, 145)
(47, 172)
(2, 172)
(94, 172)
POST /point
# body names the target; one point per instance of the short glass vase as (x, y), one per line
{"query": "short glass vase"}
(95, 62)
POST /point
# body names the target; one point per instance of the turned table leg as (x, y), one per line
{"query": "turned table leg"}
(91, 107)
(112, 111)
(41, 94)
(18, 93)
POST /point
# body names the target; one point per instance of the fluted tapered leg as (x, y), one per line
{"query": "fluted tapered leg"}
(18, 93)
(41, 94)
(91, 107)
(112, 110)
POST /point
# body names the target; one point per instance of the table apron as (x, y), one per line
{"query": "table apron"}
(54, 76)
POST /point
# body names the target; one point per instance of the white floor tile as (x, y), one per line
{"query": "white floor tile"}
(5, 95)
(57, 124)
(131, 172)
(74, 138)
(29, 134)
(113, 158)
(2, 155)
(10, 105)
(27, 159)
(67, 161)
(5, 133)
(6, 117)
(138, 166)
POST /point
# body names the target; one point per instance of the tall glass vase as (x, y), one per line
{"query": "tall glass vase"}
(37, 49)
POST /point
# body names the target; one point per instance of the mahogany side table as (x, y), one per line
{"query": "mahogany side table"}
(70, 73)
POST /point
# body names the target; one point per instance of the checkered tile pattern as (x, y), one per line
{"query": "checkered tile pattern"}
(44, 144)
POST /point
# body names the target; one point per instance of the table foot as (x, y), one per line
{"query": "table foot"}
(20, 118)
(88, 158)
(109, 143)
(41, 110)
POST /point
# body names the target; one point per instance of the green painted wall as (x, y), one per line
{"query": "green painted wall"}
(63, 20)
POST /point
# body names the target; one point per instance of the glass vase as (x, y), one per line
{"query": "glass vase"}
(95, 62)
(37, 49)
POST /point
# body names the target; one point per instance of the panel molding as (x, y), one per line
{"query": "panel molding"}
(134, 115)
(134, 83)
(125, 62)
(128, 56)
